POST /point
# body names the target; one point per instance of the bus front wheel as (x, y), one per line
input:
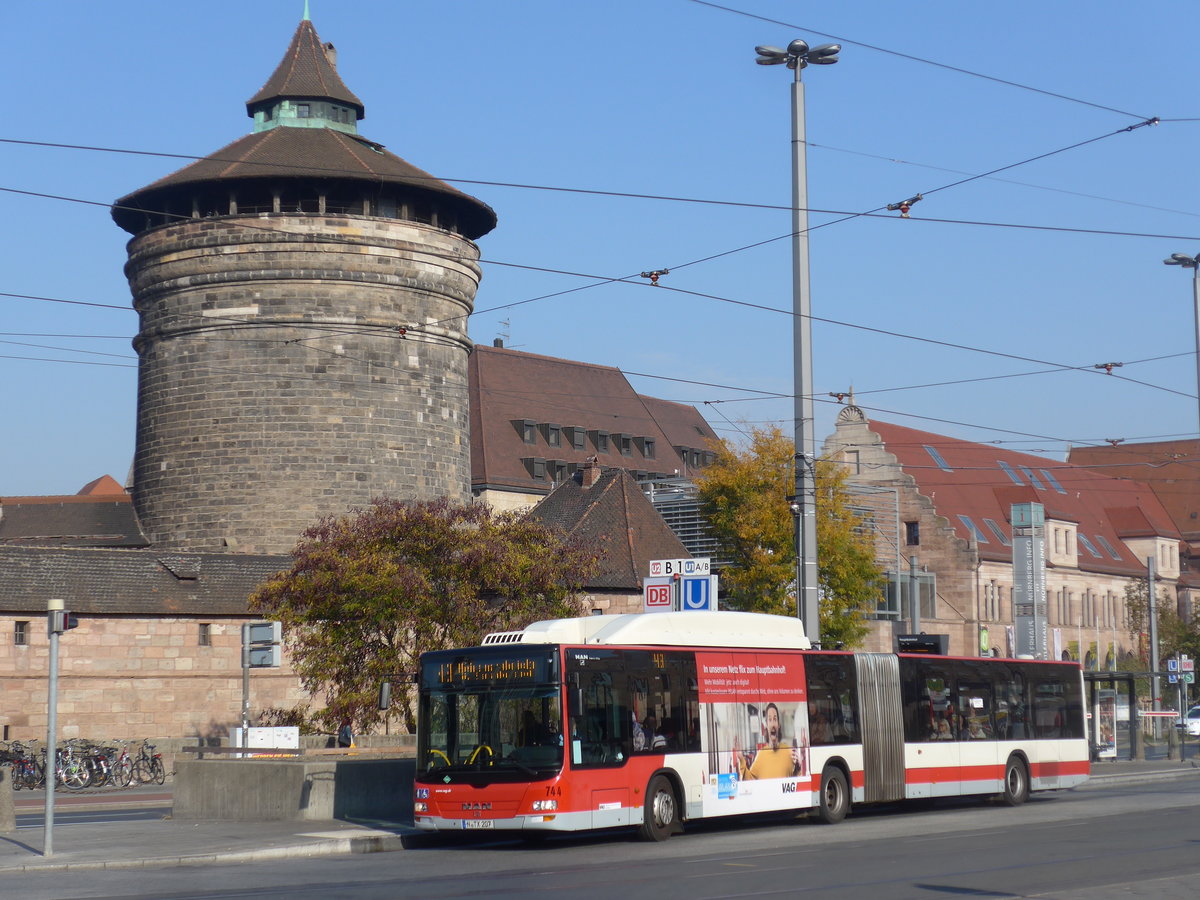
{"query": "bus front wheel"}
(660, 818)
(835, 796)
(1016, 782)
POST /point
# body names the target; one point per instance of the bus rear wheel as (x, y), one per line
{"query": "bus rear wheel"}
(660, 818)
(835, 796)
(1016, 782)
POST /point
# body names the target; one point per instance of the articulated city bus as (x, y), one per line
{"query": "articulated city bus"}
(656, 720)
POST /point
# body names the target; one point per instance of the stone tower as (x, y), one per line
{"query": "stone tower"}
(303, 298)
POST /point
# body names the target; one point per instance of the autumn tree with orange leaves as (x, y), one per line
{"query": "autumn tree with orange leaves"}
(744, 496)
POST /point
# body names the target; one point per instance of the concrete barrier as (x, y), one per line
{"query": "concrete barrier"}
(8, 813)
(305, 789)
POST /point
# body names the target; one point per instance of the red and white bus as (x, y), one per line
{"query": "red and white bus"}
(656, 720)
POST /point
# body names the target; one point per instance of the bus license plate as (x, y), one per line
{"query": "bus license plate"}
(478, 823)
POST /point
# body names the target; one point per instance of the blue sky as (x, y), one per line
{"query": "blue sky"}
(662, 97)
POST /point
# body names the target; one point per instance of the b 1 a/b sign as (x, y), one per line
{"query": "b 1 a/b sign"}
(660, 568)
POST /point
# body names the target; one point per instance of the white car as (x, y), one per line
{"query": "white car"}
(1191, 722)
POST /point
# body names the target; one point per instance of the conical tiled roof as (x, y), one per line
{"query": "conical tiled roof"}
(306, 154)
(291, 147)
(305, 72)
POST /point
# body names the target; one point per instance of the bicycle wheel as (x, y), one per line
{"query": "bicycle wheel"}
(157, 771)
(122, 773)
(75, 775)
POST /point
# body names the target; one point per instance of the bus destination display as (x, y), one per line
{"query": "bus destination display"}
(463, 671)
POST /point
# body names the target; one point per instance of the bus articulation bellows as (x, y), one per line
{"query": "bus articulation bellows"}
(655, 720)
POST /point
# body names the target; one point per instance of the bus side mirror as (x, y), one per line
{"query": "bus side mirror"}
(385, 695)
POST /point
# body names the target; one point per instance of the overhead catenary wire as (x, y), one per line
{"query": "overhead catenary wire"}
(919, 59)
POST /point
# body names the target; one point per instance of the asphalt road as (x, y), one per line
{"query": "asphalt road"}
(1139, 840)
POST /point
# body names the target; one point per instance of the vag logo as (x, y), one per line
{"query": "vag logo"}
(789, 787)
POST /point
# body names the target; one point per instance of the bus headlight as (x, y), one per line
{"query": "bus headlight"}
(420, 806)
(545, 805)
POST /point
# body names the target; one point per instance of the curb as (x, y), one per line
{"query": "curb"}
(1140, 777)
(369, 843)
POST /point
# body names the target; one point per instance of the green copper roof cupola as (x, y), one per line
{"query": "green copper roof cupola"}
(305, 91)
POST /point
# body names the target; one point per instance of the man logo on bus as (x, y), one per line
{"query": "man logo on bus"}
(658, 595)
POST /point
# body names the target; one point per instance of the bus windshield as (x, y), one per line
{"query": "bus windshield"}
(492, 713)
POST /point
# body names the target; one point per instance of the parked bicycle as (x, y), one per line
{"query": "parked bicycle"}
(25, 766)
(70, 769)
(148, 766)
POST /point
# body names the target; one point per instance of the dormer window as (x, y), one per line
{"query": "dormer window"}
(554, 435)
(536, 467)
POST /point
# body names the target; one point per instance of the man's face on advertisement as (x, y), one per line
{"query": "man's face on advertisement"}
(773, 726)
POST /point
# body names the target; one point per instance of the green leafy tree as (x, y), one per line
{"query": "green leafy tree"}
(369, 592)
(1176, 634)
(744, 496)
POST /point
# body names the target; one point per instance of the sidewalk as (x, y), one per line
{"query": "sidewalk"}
(174, 842)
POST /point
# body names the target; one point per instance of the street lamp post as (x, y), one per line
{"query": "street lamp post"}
(1193, 263)
(796, 57)
(1186, 262)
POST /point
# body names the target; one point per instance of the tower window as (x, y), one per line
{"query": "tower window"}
(912, 534)
(205, 636)
(302, 110)
(21, 633)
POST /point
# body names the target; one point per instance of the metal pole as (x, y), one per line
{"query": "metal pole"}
(1196, 308)
(1153, 607)
(245, 686)
(914, 596)
(52, 607)
(806, 495)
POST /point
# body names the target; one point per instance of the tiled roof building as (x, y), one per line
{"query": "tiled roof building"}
(536, 419)
(1171, 469)
(953, 499)
(604, 508)
(100, 515)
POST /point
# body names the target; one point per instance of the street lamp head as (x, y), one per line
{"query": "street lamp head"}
(797, 47)
(771, 60)
(767, 50)
(1182, 259)
(824, 50)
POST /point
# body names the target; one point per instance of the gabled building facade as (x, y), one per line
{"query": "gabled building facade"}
(951, 501)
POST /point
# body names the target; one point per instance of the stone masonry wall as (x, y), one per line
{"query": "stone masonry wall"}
(126, 678)
(294, 366)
